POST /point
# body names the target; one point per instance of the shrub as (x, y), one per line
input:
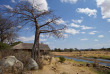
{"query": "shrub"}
(23, 56)
(62, 59)
(15, 43)
(4, 46)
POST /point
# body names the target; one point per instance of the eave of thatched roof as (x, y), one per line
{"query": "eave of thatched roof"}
(30, 45)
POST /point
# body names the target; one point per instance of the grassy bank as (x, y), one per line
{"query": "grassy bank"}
(98, 69)
(89, 54)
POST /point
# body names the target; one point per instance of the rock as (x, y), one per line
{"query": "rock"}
(27, 72)
(74, 64)
(18, 67)
(80, 65)
(54, 69)
(89, 65)
(47, 57)
(10, 63)
(95, 65)
(32, 65)
(53, 61)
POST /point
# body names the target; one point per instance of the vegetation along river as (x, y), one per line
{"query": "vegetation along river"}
(90, 60)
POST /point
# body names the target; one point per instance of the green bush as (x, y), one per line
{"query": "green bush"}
(4, 46)
(15, 43)
(62, 59)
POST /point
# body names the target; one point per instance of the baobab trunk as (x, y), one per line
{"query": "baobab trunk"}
(35, 50)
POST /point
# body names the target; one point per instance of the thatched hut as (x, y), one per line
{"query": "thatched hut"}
(28, 47)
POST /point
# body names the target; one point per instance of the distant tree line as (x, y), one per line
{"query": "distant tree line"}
(65, 50)
(75, 49)
(101, 49)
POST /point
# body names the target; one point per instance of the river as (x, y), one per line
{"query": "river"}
(90, 60)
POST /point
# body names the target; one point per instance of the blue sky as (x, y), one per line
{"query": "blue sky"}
(88, 23)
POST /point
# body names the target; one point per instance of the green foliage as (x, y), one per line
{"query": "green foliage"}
(71, 50)
(58, 50)
(15, 43)
(4, 46)
(62, 59)
(63, 50)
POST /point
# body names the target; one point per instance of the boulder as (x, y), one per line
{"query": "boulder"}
(10, 63)
(53, 61)
(32, 64)
(89, 65)
(47, 57)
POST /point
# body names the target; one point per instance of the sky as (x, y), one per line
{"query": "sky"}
(88, 23)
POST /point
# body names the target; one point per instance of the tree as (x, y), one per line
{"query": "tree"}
(71, 49)
(43, 21)
(7, 30)
(15, 43)
(75, 49)
(4, 46)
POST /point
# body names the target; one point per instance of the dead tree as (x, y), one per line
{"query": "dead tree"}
(43, 22)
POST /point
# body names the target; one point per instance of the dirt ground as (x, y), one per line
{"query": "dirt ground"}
(64, 68)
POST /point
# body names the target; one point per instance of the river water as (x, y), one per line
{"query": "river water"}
(77, 59)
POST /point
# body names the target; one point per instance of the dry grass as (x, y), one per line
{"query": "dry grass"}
(67, 67)
(92, 54)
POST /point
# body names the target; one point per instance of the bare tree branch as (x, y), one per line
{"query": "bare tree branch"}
(28, 13)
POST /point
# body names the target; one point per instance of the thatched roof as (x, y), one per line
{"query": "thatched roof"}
(30, 45)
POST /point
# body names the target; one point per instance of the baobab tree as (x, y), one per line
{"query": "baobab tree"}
(42, 20)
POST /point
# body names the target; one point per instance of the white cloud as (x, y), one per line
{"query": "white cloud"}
(8, 7)
(72, 31)
(84, 39)
(105, 8)
(100, 2)
(43, 39)
(93, 32)
(27, 28)
(69, 1)
(101, 36)
(25, 39)
(83, 27)
(74, 25)
(87, 11)
(86, 27)
(47, 43)
(96, 40)
(13, 1)
(77, 21)
(108, 31)
(83, 32)
(43, 4)
(46, 35)
(42, 35)
(19, 26)
(65, 35)
(108, 20)
(60, 21)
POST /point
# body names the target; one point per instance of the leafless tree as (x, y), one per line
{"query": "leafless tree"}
(7, 30)
(43, 22)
